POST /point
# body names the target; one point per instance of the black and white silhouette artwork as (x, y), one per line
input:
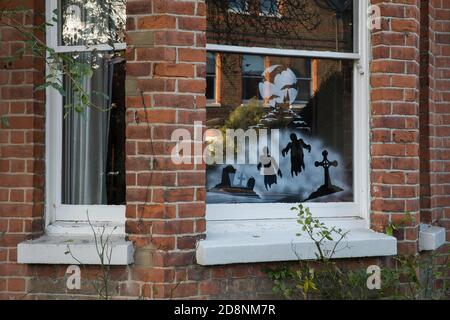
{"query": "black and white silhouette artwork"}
(327, 187)
(235, 183)
(295, 147)
(288, 172)
(268, 167)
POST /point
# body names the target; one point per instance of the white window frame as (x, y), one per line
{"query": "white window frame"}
(360, 207)
(58, 214)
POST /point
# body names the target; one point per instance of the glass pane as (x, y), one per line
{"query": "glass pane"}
(253, 65)
(211, 63)
(210, 95)
(93, 150)
(250, 87)
(238, 5)
(92, 22)
(303, 90)
(307, 103)
(269, 7)
(286, 24)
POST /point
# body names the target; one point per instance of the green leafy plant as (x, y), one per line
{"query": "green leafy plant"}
(318, 232)
(245, 116)
(408, 278)
(416, 278)
(391, 227)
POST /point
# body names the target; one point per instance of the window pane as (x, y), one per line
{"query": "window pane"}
(253, 65)
(250, 87)
(303, 90)
(309, 122)
(269, 7)
(93, 157)
(286, 24)
(238, 6)
(210, 90)
(210, 75)
(91, 22)
(211, 63)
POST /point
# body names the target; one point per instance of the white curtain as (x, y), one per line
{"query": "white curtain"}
(85, 138)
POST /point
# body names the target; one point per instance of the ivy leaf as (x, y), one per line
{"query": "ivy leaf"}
(390, 229)
(59, 88)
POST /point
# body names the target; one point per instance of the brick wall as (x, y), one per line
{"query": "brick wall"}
(21, 148)
(435, 113)
(165, 203)
(395, 120)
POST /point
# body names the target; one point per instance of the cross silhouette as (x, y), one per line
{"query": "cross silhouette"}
(326, 164)
(241, 179)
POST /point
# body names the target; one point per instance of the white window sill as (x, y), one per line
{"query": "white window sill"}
(213, 104)
(269, 241)
(74, 243)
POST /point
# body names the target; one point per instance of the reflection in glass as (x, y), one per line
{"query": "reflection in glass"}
(92, 22)
(210, 76)
(285, 24)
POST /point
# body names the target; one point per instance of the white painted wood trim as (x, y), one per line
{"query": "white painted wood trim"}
(113, 213)
(281, 52)
(99, 47)
(245, 211)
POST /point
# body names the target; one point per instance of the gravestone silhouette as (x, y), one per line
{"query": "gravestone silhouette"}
(327, 187)
(226, 184)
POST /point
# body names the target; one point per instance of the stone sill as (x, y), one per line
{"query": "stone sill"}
(271, 241)
(53, 249)
(430, 237)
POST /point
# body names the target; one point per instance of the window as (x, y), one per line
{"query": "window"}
(86, 139)
(296, 86)
(238, 6)
(315, 25)
(211, 77)
(258, 7)
(252, 75)
(269, 7)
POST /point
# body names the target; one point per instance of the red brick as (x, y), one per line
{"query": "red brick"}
(156, 22)
(174, 70)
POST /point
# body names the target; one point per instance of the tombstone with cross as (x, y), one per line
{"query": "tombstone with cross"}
(326, 164)
(235, 182)
(239, 180)
(327, 187)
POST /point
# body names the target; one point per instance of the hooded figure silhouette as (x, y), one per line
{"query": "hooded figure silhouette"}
(296, 147)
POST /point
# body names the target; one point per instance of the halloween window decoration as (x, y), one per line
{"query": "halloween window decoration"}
(296, 111)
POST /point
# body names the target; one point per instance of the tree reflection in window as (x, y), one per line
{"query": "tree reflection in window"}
(288, 24)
